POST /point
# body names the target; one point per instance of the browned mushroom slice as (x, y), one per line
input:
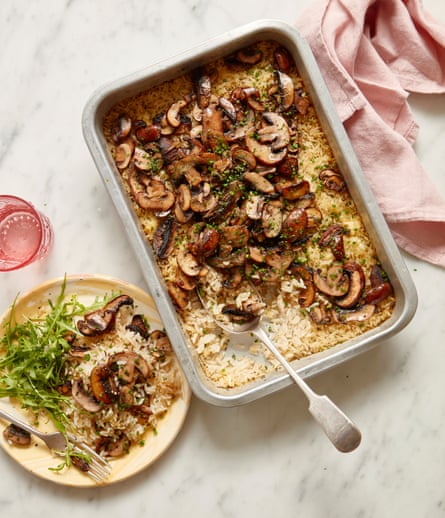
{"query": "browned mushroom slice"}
(243, 128)
(249, 56)
(101, 320)
(184, 281)
(380, 286)
(288, 167)
(254, 206)
(138, 325)
(203, 240)
(279, 260)
(272, 220)
(233, 278)
(359, 314)
(125, 364)
(188, 263)
(235, 235)
(257, 254)
(124, 152)
(81, 396)
(333, 237)
(356, 286)
(102, 384)
(160, 341)
(163, 239)
(179, 296)
(121, 128)
(294, 225)
(269, 144)
(212, 127)
(336, 282)
(314, 217)
(203, 200)
(292, 190)
(236, 258)
(160, 203)
(283, 59)
(173, 113)
(306, 295)
(320, 315)
(240, 154)
(142, 160)
(253, 98)
(301, 102)
(146, 133)
(259, 182)
(332, 180)
(203, 91)
(237, 314)
(16, 435)
(286, 88)
(228, 108)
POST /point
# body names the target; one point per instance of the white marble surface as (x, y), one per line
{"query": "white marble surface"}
(267, 458)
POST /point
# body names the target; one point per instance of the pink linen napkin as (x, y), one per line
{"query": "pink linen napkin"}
(371, 54)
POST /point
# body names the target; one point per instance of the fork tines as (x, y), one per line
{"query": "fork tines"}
(99, 469)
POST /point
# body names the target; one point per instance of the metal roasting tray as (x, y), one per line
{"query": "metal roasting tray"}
(105, 97)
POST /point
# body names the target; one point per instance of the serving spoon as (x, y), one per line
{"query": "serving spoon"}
(340, 430)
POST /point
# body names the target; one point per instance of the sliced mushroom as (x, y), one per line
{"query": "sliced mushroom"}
(161, 203)
(380, 287)
(203, 200)
(203, 240)
(138, 325)
(234, 235)
(332, 180)
(228, 108)
(268, 144)
(356, 286)
(142, 160)
(336, 282)
(306, 295)
(102, 384)
(179, 296)
(286, 87)
(16, 435)
(121, 128)
(188, 263)
(101, 320)
(125, 364)
(124, 153)
(314, 217)
(320, 315)
(254, 206)
(240, 154)
(259, 182)
(333, 237)
(163, 239)
(148, 133)
(184, 281)
(81, 396)
(212, 127)
(294, 225)
(173, 113)
(271, 220)
(161, 342)
(359, 314)
(203, 91)
(283, 59)
(301, 102)
(249, 56)
(292, 190)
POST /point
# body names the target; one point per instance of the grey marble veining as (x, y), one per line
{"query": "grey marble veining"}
(267, 458)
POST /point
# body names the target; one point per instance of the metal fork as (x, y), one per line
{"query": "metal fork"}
(98, 468)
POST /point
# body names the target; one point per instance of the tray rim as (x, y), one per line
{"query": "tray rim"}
(406, 295)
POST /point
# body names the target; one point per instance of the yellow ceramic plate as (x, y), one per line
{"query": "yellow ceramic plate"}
(37, 458)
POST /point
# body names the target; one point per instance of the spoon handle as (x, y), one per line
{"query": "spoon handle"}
(340, 430)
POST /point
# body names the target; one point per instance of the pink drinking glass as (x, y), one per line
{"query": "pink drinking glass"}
(26, 235)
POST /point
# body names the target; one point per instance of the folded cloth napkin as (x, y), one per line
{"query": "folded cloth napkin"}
(371, 54)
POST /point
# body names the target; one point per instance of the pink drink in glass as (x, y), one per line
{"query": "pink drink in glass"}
(25, 234)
